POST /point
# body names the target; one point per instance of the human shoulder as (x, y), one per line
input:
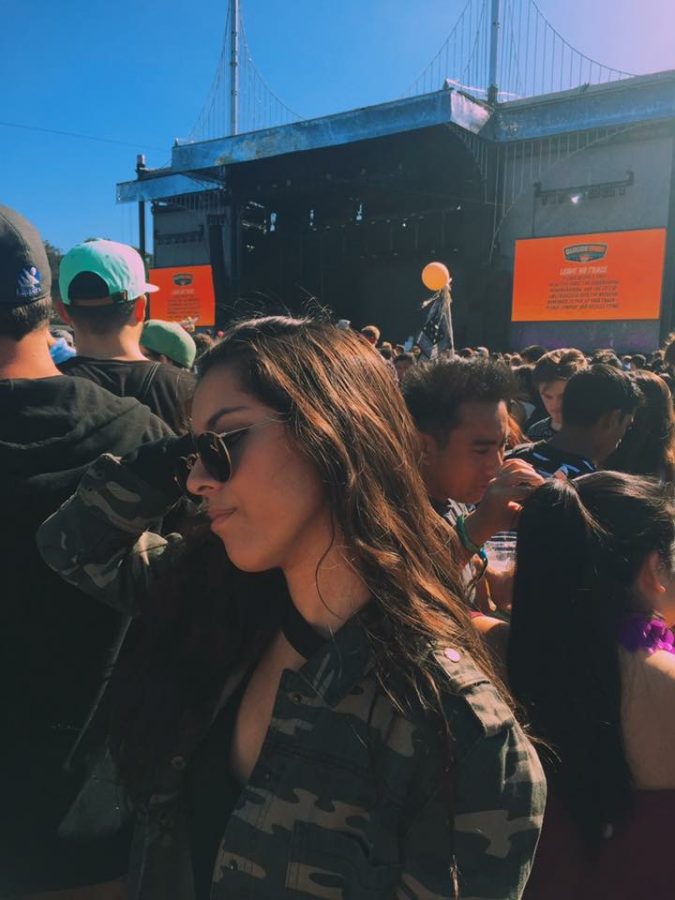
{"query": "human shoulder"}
(177, 379)
(66, 389)
(649, 680)
(471, 701)
(524, 451)
(451, 510)
(499, 785)
(117, 424)
(540, 430)
(649, 726)
(69, 365)
(658, 669)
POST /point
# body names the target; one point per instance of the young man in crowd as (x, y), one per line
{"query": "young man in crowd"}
(54, 642)
(103, 291)
(460, 409)
(549, 378)
(597, 409)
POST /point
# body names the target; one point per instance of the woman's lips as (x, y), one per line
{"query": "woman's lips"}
(220, 515)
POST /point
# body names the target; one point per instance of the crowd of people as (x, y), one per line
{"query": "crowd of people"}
(290, 611)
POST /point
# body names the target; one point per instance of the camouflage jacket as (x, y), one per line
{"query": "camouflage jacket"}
(349, 798)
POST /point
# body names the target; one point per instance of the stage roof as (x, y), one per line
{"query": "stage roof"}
(201, 166)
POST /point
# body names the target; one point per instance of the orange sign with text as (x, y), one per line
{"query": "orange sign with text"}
(608, 275)
(183, 293)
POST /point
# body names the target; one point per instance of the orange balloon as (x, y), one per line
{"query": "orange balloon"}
(435, 276)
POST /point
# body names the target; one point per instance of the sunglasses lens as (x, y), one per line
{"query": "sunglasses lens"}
(214, 456)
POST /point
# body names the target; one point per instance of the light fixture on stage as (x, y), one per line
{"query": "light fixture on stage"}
(576, 194)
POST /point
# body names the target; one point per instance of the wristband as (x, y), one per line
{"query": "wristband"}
(467, 543)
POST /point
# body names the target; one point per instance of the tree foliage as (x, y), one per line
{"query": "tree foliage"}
(54, 255)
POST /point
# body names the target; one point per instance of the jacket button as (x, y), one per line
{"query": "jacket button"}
(178, 763)
(297, 697)
(233, 865)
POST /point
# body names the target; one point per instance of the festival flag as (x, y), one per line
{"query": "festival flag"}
(436, 335)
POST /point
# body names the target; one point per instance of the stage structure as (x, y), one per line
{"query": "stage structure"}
(344, 211)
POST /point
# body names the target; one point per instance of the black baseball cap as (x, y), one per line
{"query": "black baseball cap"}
(25, 275)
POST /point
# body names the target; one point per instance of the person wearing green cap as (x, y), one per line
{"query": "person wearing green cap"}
(103, 290)
(168, 342)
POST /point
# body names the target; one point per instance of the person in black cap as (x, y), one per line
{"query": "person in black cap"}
(54, 642)
(103, 290)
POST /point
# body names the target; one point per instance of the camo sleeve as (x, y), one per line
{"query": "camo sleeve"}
(102, 541)
(495, 802)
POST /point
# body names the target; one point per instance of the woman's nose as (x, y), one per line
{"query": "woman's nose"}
(199, 482)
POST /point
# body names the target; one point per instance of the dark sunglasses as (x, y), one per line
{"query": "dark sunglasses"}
(213, 450)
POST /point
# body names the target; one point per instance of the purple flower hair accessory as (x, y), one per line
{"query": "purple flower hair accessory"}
(646, 632)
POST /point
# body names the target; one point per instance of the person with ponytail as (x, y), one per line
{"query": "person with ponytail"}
(649, 445)
(591, 660)
(304, 709)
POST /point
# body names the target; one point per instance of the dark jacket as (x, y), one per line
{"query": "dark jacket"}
(53, 640)
(349, 798)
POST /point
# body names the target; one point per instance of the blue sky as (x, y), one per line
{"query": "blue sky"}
(138, 74)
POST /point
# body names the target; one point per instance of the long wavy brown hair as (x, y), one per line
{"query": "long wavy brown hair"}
(335, 393)
(346, 416)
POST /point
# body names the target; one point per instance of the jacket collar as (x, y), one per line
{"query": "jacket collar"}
(333, 670)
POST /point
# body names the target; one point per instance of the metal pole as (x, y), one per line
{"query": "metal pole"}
(234, 66)
(493, 90)
(140, 168)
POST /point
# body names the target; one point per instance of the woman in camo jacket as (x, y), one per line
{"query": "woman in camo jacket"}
(308, 714)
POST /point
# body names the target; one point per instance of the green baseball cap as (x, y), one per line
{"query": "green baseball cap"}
(171, 339)
(119, 266)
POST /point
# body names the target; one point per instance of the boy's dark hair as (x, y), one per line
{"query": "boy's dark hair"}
(606, 357)
(434, 391)
(18, 321)
(96, 319)
(385, 352)
(533, 353)
(558, 365)
(596, 391)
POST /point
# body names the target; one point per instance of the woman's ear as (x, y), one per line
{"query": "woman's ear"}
(652, 579)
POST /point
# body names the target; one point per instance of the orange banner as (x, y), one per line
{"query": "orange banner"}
(594, 277)
(183, 293)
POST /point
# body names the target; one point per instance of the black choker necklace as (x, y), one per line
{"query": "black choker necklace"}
(302, 637)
